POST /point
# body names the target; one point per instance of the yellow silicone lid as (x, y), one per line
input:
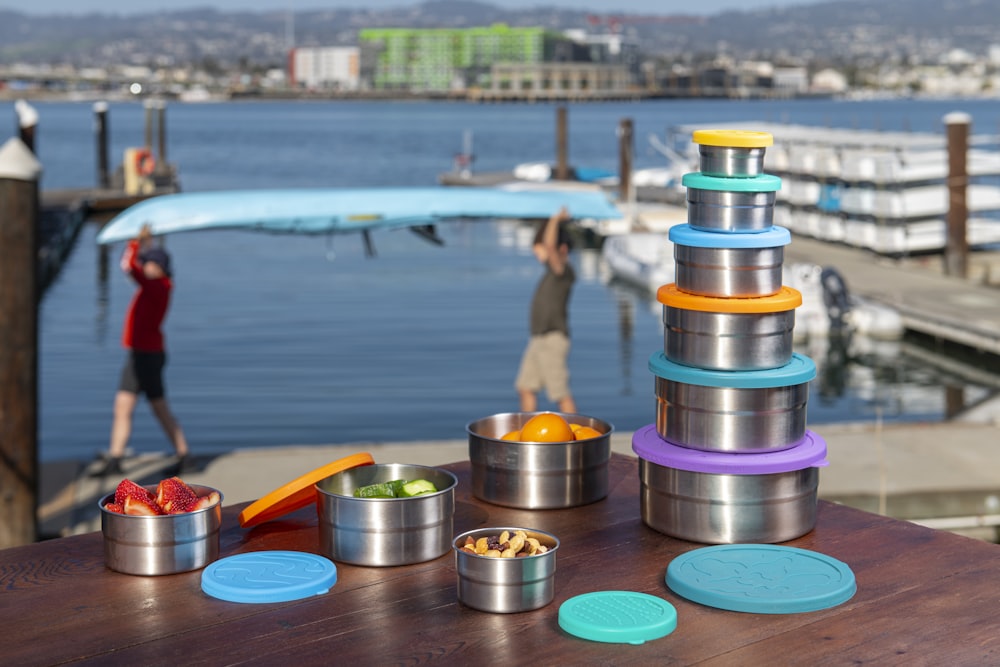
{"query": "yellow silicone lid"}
(733, 138)
(299, 492)
(787, 298)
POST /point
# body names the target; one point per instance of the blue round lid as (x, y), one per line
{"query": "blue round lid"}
(773, 237)
(762, 183)
(617, 617)
(799, 370)
(809, 452)
(269, 576)
(761, 578)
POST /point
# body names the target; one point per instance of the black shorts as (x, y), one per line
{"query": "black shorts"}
(143, 374)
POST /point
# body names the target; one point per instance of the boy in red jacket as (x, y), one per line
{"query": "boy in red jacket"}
(142, 373)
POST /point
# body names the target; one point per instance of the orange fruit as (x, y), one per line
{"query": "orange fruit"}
(585, 433)
(513, 435)
(546, 427)
(576, 427)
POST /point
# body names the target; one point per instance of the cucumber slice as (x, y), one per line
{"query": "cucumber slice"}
(381, 490)
(416, 488)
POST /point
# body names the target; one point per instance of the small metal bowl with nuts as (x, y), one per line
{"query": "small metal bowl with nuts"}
(506, 569)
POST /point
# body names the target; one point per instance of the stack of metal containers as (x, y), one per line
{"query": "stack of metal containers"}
(729, 458)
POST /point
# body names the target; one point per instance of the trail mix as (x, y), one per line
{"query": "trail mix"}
(505, 545)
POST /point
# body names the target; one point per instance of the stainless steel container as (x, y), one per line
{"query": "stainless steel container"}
(728, 334)
(719, 498)
(728, 211)
(506, 585)
(166, 544)
(722, 265)
(732, 153)
(385, 531)
(724, 411)
(537, 475)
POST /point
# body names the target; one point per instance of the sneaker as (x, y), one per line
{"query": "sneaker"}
(111, 466)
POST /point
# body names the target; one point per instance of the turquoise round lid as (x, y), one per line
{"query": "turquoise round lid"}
(617, 617)
(761, 578)
(762, 183)
(269, 576)
(685, 234)
(799, 370)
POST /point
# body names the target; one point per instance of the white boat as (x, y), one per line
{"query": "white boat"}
(884, 191)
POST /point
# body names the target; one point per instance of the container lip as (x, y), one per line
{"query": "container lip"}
(769, 237)
(110, 496)
(438, 470)
(809, 452)
(732, 138)
(762, 183)
(787, 298)
(568, 416)
(496, 530)
(799, 370)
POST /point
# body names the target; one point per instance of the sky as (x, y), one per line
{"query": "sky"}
(701, 7)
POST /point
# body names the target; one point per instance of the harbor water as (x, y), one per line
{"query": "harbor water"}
(277, 340)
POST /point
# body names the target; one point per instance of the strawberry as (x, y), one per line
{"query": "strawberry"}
(128, 488)
(141, 507)
(174, 496)
(115, 507)
(205, 501)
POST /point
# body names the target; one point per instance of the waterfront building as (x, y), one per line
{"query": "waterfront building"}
(456, 59)
(325, 68)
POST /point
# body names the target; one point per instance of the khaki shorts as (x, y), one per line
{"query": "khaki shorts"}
(544, 365)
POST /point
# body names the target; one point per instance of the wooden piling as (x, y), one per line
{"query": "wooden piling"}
(19, 172)
(101, 130)
(161, 136)
(562, 145)
(625, 149)
(956, 252)
(148, 131)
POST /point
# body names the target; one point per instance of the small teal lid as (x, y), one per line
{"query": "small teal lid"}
(762, 183)
(269, 576)
(799, 370)
(617, 617)
(761, 578)
(687, 235)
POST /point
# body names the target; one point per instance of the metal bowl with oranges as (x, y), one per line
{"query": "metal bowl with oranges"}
(539, 460)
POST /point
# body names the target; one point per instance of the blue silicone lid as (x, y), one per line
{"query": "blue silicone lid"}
(809, 452)
(685, 234)
(269, 576)
(761, 578)
(800, 369)
(762, 183)
(617, 617)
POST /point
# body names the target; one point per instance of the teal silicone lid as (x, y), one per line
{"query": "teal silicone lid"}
(617, 617)
(761, 578)
(762, 183)
(269, 576)
(687, 235)
(800, 369)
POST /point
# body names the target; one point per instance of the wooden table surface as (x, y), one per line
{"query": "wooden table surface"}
(924, 598)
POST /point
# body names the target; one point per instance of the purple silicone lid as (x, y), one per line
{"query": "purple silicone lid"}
(809, 452)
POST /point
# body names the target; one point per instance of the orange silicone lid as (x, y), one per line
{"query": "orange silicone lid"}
(733, 138)
(787, 298)
(299, 492)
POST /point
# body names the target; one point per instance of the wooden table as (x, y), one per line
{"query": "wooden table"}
(924, 598)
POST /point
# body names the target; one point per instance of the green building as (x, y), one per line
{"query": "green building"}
(443, 59)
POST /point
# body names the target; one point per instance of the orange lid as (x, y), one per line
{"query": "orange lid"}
(298, 493)
(732, 138)
(787, 298)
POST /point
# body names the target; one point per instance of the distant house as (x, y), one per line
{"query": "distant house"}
(325, 68)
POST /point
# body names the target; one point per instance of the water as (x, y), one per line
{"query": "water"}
(278, 340)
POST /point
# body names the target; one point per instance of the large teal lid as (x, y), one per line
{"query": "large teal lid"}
(686, 235)
(799, 370)
(617, 617)
(762, 183)
(761, 578)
